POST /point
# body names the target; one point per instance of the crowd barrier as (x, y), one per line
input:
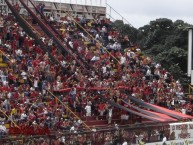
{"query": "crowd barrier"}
(113, 134)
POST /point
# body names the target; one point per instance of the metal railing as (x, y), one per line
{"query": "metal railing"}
(110, 14)
(114, 134)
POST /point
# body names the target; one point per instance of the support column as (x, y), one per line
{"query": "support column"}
(191, 77)
(189, 69)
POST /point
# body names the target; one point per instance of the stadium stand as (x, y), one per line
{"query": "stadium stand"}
(78, 74)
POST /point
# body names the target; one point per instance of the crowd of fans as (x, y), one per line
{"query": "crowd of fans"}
(34, 89)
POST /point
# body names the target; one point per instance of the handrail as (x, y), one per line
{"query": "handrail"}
(69, 110)
(68, 135)
(94, 38)
(127, 22)
(110, 16)
(119, 14)
(38, 33)
(29, 76)
(10, 119)
(50, 34)
(122, 20)
(1, 109)
(43, 16)
(57, 33)
(39, 36)
(23, 22)
(129, 25)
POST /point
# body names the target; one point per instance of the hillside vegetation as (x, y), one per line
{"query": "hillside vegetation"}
(164, 40)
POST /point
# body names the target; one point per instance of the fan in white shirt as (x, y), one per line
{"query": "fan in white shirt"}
(18, 52)
(125, 143)
(71, 44)
(95, 58)
(123, 59)
(36, 83)
(3, 128)
(104, 69)
(88, 109)
(24, 75)
(183, 110)
(23, 116)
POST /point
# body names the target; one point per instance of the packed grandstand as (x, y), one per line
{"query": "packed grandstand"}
(76, 81)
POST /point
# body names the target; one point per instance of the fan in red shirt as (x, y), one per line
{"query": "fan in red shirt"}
(101, 108)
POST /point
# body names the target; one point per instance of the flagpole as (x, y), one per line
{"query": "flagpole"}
(91, 7)
(76, 8)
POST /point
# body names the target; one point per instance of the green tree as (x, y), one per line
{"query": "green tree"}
(164, 40)
(126, 29)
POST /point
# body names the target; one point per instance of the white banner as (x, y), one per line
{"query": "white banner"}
(174, 142)
(182, 130)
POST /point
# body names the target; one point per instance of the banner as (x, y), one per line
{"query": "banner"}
(174, 142)
(182, 130)
(155, 119)
(159, 109)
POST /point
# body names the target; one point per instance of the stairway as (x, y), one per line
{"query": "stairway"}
(64, 50)
(37, 28)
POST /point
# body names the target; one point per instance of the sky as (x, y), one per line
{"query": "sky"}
(140, 12)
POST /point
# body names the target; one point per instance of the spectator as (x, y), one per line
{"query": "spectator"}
(3, 130)
(136, 75)
(110, 113)
(125, 142)
(88, 109)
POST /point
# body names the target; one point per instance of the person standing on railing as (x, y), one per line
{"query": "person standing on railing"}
(41, 8)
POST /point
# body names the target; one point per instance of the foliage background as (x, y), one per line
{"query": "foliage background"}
(164, 40)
